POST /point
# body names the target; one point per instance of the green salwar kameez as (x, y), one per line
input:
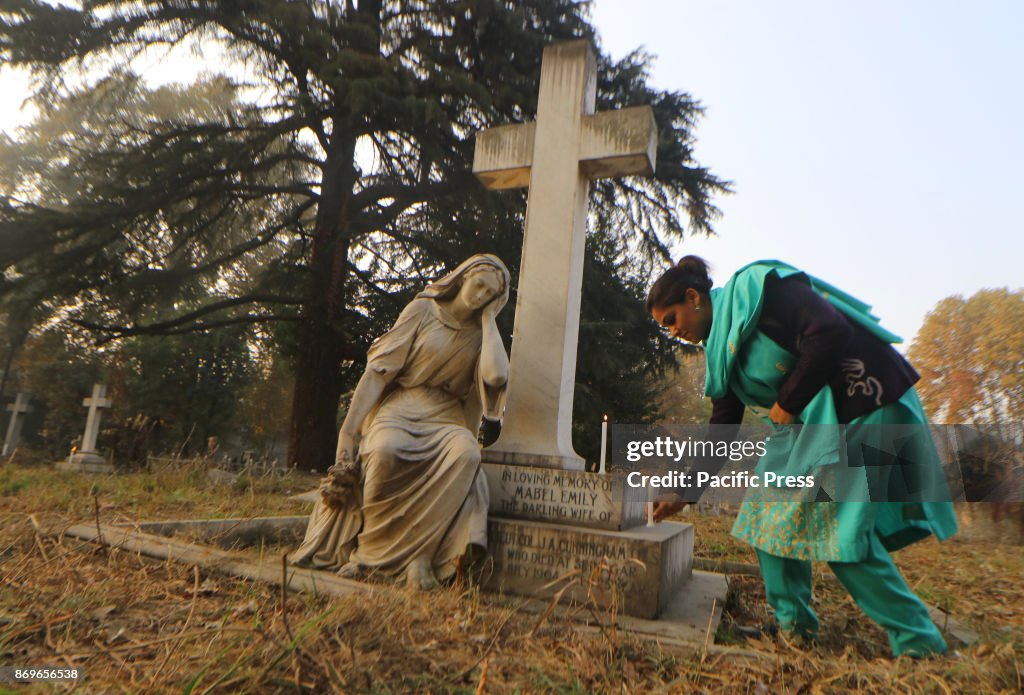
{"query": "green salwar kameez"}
(790, 526)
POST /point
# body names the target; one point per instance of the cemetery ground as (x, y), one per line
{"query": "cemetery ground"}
(136, 624)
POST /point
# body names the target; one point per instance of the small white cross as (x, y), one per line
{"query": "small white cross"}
(20, 407)
(92, 423)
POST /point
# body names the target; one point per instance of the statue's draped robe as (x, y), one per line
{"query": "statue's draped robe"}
(422, 489)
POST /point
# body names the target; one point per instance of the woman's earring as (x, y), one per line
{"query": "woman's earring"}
(697, 307)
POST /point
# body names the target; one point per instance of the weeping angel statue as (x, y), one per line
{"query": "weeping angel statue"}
(406, 493)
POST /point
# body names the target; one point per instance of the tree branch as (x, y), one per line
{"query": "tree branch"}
(163, 326)
(197, 327)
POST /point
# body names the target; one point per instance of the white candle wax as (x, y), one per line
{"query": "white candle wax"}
(604, 444)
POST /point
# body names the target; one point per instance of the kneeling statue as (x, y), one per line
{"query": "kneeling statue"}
(406, 493)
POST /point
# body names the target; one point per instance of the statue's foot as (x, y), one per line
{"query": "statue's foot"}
(351, 570)
(420, 575)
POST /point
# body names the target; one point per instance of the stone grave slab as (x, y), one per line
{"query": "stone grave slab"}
(233, 533)
(687, 618)
(594, 516)
(251, 566)
(84, 463)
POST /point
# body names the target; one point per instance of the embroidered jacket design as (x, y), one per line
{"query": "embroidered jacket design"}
(854, 371)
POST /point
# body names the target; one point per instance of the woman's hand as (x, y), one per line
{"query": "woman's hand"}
(780, 416)
(663, 510)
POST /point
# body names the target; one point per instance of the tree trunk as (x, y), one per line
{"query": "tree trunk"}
(322, 347)
(313, 431)
(318, 382)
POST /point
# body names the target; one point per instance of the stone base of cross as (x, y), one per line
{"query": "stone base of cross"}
(556, 156)
(86, 462)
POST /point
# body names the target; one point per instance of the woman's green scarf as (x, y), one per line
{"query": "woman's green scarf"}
(737, 306)
(743, 360)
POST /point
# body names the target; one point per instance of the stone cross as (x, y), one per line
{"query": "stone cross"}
(17, 409)
(92, 423)
(556, 157)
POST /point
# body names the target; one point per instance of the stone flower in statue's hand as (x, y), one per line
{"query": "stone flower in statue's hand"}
(339, 486)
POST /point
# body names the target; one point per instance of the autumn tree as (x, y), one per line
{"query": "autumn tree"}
(970, 353)
(326, 197)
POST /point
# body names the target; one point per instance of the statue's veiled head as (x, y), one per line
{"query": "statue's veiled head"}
(476, 282)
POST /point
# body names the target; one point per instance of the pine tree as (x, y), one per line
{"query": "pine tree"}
(316, 208)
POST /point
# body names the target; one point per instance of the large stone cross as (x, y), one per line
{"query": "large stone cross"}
(17, 409)
(92, 423)
(556, 156)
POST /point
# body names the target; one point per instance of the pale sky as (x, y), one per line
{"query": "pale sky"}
(875, 144)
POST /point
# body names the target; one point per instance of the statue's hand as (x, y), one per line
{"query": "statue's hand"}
(345, 456)
(490, 312)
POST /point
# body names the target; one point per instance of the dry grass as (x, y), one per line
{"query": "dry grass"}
(140, 625)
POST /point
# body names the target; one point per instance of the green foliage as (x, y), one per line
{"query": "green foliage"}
(680, 392)
(59, 374)
(169, 393)
(260, 418)
(620, 349)
(179, 390)
(124, 203)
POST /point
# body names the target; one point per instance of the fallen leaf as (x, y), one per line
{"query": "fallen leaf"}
(103, 611)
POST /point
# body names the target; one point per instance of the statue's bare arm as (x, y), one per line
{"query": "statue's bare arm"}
(368, 392)
(493, 360)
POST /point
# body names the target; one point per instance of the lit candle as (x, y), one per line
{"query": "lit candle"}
(604, 443)
(650, 506)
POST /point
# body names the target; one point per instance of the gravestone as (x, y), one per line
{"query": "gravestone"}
(554, 528)
(20, 407)
(88, 459)
(551, 523)
(556, 157)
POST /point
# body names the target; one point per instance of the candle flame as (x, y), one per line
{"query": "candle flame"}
(606, 417)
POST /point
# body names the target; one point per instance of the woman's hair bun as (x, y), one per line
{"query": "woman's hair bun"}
(670, 288)
(696, 268)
